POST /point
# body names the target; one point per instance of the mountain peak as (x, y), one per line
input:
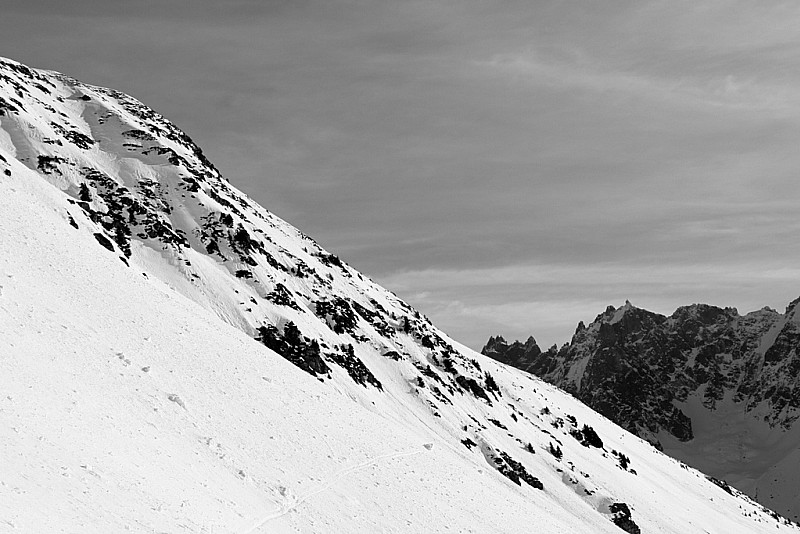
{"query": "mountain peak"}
(791, 308)
(647, 372)
(530, 343)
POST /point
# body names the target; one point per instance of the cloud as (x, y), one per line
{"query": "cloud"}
(617, 275)
(547, 301)
(508, 166)
(716, 27)
(716, 91)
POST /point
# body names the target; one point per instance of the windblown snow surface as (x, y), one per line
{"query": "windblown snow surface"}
(139, 295)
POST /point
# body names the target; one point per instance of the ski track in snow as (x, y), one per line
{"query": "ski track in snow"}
(291, 502)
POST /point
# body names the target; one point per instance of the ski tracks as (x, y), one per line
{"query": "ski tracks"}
(290, 501)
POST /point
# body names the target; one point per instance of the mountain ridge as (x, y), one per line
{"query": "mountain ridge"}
(644, 370)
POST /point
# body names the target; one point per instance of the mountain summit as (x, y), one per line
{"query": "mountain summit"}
(714, 388)
(175, 358)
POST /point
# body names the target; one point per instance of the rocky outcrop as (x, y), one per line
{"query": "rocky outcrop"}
(636, 367)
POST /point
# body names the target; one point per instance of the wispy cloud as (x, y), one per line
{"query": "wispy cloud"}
(618, 275)
(730, 91)
(716, 27)
(508, 166)
(547, 301)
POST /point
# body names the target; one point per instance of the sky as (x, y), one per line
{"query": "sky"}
(507, 167)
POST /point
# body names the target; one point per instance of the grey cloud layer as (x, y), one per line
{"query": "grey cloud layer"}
(451, 137)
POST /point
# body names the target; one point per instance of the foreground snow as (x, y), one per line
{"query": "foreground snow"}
(135, 397)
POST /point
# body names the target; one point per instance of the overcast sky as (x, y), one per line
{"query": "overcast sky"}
(507, 167)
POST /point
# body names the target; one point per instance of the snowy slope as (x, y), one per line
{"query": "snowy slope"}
(713, 388)
(138, 290)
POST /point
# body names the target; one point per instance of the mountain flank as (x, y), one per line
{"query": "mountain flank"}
(714, 388)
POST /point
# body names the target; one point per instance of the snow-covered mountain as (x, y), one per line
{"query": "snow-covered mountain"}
(175, 358)
(715, 389)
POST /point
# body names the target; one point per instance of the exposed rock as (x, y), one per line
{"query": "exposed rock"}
(633, 365)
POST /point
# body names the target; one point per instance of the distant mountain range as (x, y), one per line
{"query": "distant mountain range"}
(709, 386)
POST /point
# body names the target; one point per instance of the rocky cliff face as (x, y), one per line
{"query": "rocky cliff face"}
(647, 371)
